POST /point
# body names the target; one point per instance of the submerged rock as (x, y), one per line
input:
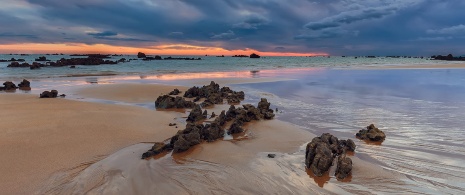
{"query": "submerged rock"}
(371, 133)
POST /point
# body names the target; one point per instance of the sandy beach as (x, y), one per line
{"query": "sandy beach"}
(42, 136)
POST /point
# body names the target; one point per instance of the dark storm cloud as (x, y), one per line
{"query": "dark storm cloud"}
(333, 26)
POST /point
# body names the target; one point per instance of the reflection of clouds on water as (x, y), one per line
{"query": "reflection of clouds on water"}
(421, 112)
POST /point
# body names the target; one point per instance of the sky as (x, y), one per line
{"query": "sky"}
(227, 27)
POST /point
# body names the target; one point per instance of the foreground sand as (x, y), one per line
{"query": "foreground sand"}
(41, 136)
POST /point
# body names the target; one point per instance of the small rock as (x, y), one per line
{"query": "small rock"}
(271, 155)
(172, 124)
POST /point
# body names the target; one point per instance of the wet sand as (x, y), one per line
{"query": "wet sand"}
(39, 137)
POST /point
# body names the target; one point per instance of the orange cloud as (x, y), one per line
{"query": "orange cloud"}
(167, 49)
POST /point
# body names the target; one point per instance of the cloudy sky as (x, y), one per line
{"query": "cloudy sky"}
(334, 27)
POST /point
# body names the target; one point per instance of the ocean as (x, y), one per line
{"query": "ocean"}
(207, 64)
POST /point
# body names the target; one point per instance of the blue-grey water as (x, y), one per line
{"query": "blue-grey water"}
(420, 110)
(207, 64)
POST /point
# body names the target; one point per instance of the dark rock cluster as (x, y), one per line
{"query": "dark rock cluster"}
(64, 62)
(449, 57)
(49, 94)
(8, 85)
(321, 151)
(175, 92)
(371, 133)
(213, 94)
(254, 55)
(196, 132)
(167, 102)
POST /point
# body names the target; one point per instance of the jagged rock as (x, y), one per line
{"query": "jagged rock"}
(49, 94)
(175, 92)
(186, 138)
(371, 133)
(236, 127)
(344, 167)
(167, 102)
(213, 115)
(214, 95)
(264, 107)
(320, 153)
(207, 104)
(8, 85)
(212, 132)
(221, 119)
(318, 157)
(157, 148)
(141, 55)
(24, 84)
(196, 115)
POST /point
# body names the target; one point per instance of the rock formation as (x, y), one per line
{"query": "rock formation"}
(371, 133)
(49, 94)
(141, 55)
(167, 102)
(321, 151)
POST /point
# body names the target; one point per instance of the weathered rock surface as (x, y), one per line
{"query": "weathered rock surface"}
(49, 94)
(196, 115)
(321, 151)
(24, 84)
(8, 85)
(213, 94)
(371, 133)
(167, 102)
(175, 92)
(344, 167)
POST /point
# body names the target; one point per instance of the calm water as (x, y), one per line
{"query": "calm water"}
(207, 64)
(421, 112)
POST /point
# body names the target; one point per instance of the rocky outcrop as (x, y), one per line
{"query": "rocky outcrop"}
(321, 151)
(194, 132)
(167, 102)
(343, 167)
(196, 115)
(141, 55)
(25, 85)
(41, 59)
(254, 55)
(214, 95)
(175, 92)
(49, 94)
(371, 133)
(8, 85)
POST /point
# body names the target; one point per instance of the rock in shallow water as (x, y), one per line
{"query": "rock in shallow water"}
(371, 133)
(344, 167)
(320, 153)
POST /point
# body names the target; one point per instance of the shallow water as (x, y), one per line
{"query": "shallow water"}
(421, 112)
